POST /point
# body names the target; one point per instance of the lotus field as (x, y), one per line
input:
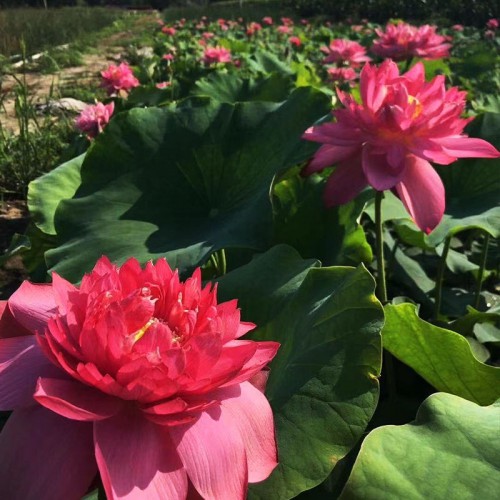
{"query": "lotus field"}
(270, 272)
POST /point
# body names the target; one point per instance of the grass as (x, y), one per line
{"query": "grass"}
(41, 29)
(253, 10)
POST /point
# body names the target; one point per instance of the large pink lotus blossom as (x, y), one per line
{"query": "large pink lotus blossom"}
(94, 118)
(214, 55)
(403, 41)
(134, 375)
(343, 51)
(117, 78)
(388, 140)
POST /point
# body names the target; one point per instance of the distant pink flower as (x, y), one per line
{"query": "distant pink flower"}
(163, 85)
(493, 24)
(287, 21)
(342, 51)
(403, 41)
(137, 376)
(117, 78)
(286, 30)
(490, 34)
(389, 139)
(213, 55)
(357, 28)
(168, 57)
(94, 118)
(304, 22)
(267, 20)
(457, 27)
(222, 24)
(169, 30)
(295, 40)
(342, 74)
(207, 35)
(253, 28)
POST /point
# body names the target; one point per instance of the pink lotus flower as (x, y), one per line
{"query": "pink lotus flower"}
(117, 78)
(169, 30)
(163, 85)
(267, 20)
(457, 27)
(489, 34)
(214, 55)
(253, 28)
(388, 140)
(168, 57)
(285, 30)
(94, 118)
(207, 35)
(287, 21)
(493, 24)
(342, 74)
(342, 51)
(403, 41)
(135, 375)
(295, 40)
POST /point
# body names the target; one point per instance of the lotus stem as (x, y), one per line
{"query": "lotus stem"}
(482, 267)
(439, 279)
(221, 258)
(381, 285)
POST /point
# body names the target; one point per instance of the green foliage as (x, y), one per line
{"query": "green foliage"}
(321, 317)
(451, 450)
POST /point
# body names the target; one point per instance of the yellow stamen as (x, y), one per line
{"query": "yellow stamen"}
(418, 106)
(140, 333)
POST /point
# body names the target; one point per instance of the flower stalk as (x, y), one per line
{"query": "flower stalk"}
(381, 284)
(439, 279)
(482, 268)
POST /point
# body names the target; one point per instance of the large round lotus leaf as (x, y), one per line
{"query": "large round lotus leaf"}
(451, 450)
(323, 383)
(182, 182)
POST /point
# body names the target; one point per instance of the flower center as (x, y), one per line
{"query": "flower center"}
(418, 106)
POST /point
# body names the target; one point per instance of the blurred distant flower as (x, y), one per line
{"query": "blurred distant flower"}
(286, 30)
(342, 75)
(92, 120)
(213, 55)
(342, 51)
(163, 85)
(457, 27)
(169, 30)
(295, 40)
(116, 78)
(402, 42)
(493, 24)
(267, 20)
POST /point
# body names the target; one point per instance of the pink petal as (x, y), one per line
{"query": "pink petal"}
(9, 327)
(345, 183)
(21, 363)
(156, 471)
(76, 401)
(45, 456)
(251, 414)
(378, 171)
(327, 155)
(33, 305)
(422, 193)
(465, 147)
(213, 453)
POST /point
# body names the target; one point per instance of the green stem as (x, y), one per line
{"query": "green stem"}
(221, 257)
(482, 267)
(439, 279)
(408, 64)
(381, 286)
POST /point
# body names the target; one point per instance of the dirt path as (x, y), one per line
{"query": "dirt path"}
(110, 50)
